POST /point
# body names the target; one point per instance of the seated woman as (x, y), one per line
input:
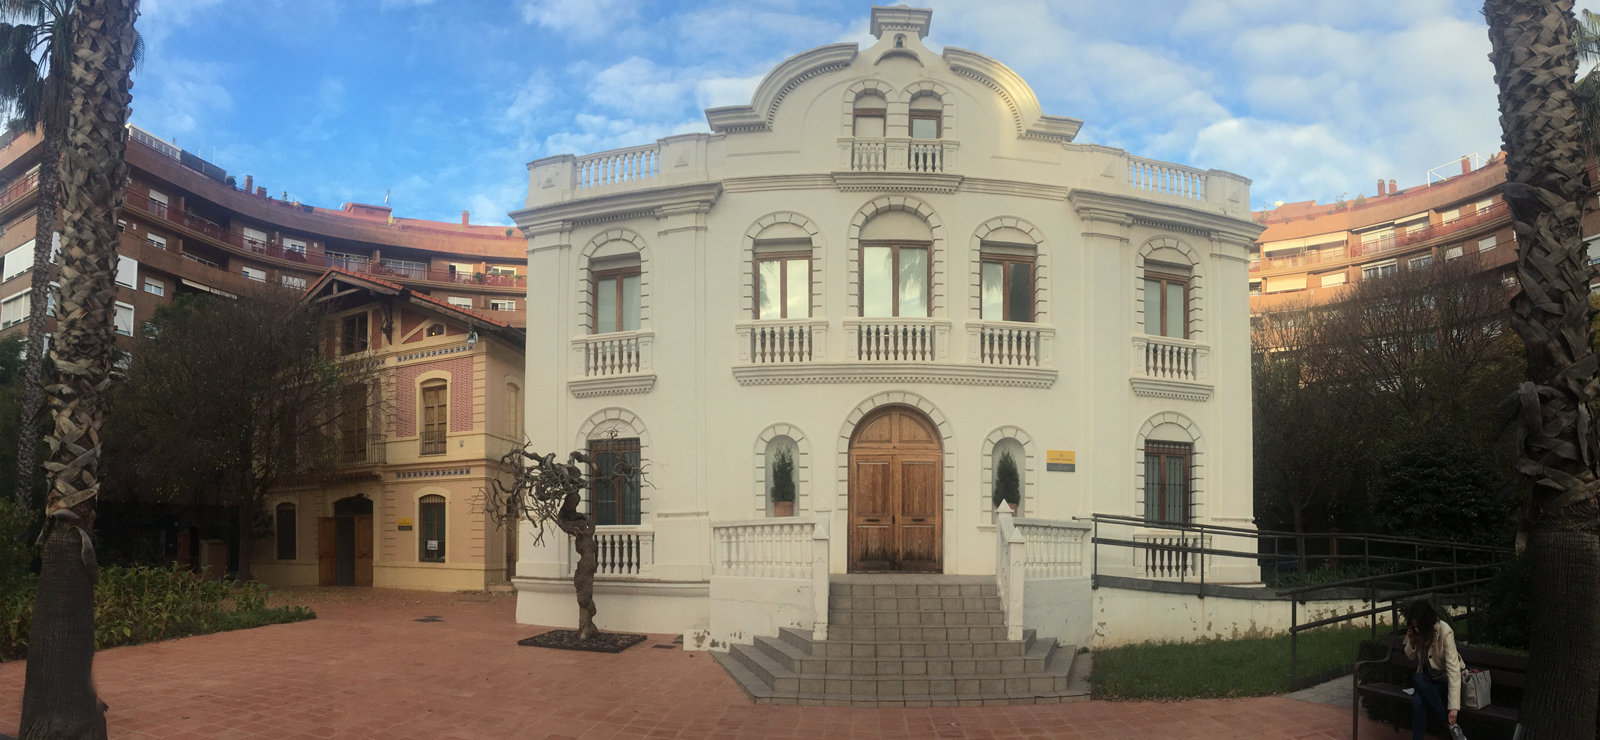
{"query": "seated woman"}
(1432, 644)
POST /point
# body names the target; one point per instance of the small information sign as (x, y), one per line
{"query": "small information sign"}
(433, 544)
(405, 524)
(1060, 461)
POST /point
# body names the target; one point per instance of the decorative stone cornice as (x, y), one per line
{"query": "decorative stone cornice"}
(616, 385)
(894, 372)
(1179, 390)
(696, 197)
(1167, 216)
(896, 182)
(782, 80)
(886, 19)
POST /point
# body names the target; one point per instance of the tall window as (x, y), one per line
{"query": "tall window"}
(1166, 305)
(871, 110)
(435, 416)
(1007, 288)
(615, 498)
(1166, 481)
(513, 411)
(430, 536)
(355, 334)
(286, 531)
(353, 427)
(894, 280)
(783, 285)
(927, 117)
(616, 300)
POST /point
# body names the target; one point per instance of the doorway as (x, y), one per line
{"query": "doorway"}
(896, 493)
(344, 543)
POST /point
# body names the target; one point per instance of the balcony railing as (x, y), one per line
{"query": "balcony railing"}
(1052, 548)
(1010, 344)
(1391, 243)
(925, 157)
(18, 188)
(371, 449)
(1166, 358)
(764, 548)
(1167, 179)
(897, 340)
(869, 156)
(621, 551)
(431, 443)
(782, 341)
(618, 166)
(616, 353)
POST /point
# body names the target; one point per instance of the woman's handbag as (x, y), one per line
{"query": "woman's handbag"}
(1474, 689)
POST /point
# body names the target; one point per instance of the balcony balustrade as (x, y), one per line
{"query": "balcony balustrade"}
(868, 156)
(616, 353)
(1010, 344)
(782, 341)
(897, 340)
(431, 442)
(618, 166)
(925, 157)
(1167, 358)
(18, 188)
(620, 551)
(1151, 176)
(370, 449)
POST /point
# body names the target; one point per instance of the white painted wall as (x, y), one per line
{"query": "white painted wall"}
(1059, 607)
(745, 608)
(1123, 616)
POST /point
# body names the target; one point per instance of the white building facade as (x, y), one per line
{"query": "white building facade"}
(893, 269)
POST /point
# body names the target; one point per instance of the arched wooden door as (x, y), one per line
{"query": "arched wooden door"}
(896, 493)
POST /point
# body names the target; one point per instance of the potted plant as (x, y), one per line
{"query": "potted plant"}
(783, 483)
(1007, 483)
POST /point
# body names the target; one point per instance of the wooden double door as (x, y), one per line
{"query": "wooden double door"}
(344, 544)
(896, 493)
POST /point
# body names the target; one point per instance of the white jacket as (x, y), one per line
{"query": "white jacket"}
(1442, 657)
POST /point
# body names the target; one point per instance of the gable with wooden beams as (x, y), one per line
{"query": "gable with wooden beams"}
(408, 316)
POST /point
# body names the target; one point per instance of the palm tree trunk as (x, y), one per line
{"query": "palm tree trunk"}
(1558, 445)
(39, 299)
(58, 696)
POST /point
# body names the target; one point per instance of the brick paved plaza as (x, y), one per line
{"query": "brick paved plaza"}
(365, 669)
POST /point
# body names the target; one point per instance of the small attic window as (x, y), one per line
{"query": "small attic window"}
(899, 41)
(437, 330)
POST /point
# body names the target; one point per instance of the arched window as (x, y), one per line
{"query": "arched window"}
(1167, 491)
(896, 271)
(871, 111)
(927, 116)
(513, 412)
(1007, 276)
(899, 41)
(615, 497)
(783, 464)
(430, 536)
(353, 426)
(435, 416)
(1166, 299)
(286, 531)
(614, 283)
(782, 272)
(1009, 463)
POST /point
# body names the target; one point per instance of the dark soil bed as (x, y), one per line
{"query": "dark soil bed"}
(604, 642)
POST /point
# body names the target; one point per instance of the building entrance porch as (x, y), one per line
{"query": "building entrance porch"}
(344, 543)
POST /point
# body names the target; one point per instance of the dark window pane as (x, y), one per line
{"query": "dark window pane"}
(1019, 298)
(430, 538)
(286, 532)
(615, 500)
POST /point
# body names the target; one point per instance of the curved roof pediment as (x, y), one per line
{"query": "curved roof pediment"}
(1030, 118)
(757, 116)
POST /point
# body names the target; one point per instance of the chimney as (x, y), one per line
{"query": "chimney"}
(261, 190)
(463, 218)
(1380, 187)
(1392, 188)
(249, 183)
(1466, 165)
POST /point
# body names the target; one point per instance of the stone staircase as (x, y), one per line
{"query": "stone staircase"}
(908, 641)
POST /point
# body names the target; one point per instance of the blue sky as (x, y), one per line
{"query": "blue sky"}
(443, 102)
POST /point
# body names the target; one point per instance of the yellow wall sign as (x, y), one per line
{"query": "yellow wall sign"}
(405, 523)
(1060, 461)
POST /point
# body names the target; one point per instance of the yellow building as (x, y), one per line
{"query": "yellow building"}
(403, 509)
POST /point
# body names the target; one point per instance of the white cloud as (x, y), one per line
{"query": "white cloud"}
(584, 19)
(715, 92)
(180, 95)
(529, 100)
(597, 133)
(636, 85)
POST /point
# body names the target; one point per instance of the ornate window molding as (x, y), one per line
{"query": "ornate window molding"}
(802, 467)
(623, 423)
(1030, 475)
(903, 398)
(1171, 426)
(747, 258)
(586, 306)
(914, 206)
(1041, 264)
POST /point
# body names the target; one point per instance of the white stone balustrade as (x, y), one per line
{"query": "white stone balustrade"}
(1170, 555)
(618, 166)
(897, 340)
(616, 353)
(1167, 358)
(1010, 564)
(782, 341)
(621, 551)
(925, 157)
(1051, 548)
(1166, 179)
(780, 547)
(869, 156)
(1010, 344)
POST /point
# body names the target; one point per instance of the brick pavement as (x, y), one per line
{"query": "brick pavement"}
(365, 669)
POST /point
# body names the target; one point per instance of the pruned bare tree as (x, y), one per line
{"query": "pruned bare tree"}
(545, 492)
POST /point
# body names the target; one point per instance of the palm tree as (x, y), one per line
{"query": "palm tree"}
(1587, 36)
(35, 49)
(1534, 56)
(58, 698)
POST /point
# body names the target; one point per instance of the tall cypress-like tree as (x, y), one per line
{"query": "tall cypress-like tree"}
(58, 698)
(1558, 444)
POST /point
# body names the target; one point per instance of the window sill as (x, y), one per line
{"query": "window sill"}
(1180, 390)
(613, 385)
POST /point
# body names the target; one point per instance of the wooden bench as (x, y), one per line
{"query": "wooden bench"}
(1506, 673)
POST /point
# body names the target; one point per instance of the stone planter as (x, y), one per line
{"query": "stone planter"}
(783, 508)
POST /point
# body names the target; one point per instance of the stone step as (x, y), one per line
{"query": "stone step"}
(805, 664)
(953, 618)
(850, 633)
(767, 682)
(834, 647)
(855, 590)
(837, 603)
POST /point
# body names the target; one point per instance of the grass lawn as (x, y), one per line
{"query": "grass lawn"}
(1217, 668)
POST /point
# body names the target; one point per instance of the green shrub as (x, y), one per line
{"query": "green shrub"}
(145, 604)
(1007, 483)
(782, 476)
(1504, 615)
(1431, 486)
